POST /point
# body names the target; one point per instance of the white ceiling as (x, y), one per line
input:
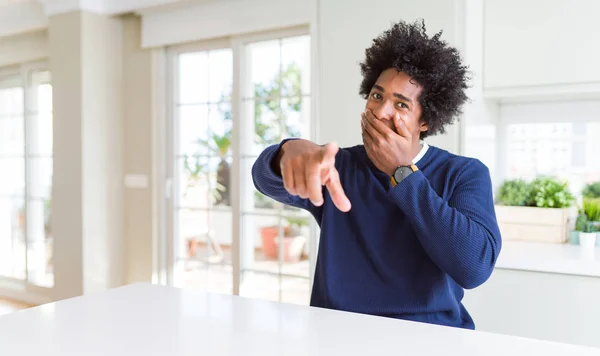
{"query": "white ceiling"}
(109, 7)
(10, 2)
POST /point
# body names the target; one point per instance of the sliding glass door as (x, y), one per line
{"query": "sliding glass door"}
(26, 167)
(231, 99)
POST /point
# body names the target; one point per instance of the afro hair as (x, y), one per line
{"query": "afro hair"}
(430, 62)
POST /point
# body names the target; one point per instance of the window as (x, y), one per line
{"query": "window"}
(267, 100)
(26, 176)
(529, 140)
(565, 150)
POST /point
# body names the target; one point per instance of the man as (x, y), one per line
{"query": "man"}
(405, 227)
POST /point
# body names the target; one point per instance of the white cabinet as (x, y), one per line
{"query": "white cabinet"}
(546, 306)
(541, 44)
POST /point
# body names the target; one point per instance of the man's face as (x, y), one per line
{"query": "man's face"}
(395, 93)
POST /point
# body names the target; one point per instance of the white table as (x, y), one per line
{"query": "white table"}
(153, 320)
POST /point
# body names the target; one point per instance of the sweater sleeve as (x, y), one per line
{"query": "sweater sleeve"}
(461, 235)
(270, 183)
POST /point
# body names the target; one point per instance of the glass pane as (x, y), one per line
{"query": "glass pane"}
(220, 65)
(267, 127)
(12, 238)
(220, 237)
(39, 247)
(295, 246)
(252, 200)
(193, 77)
(220, 126)
(592, 149)
(260, 285)
(296, 117)
(12, 177)
(192, 232)
(206, 238)
(40, 132)
(12, 142)
(192, 131)
(40, 175)
(11, 97)
(193, 184)
(263, 239)
(265, 67)
(262, 202)
(295, 290)
(220, 181)
(295, 55)
(259, 243)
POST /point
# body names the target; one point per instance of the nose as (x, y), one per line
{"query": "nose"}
(384, 111)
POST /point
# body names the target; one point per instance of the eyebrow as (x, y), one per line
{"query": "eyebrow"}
(397, 95)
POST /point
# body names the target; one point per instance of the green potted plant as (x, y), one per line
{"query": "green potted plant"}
(590, 223)
(537, 211)
(592, 190)
(580, 225)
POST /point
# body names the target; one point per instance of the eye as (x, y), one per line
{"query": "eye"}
(376, 96)
(402, 106)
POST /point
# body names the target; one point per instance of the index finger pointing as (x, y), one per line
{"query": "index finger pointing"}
(337, 192)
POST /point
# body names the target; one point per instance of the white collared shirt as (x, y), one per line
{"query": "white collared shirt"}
(424, 149)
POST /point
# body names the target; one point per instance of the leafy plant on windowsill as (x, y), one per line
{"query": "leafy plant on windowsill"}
(549, 192)
(514, 193)
(592, 190)
(544, 192)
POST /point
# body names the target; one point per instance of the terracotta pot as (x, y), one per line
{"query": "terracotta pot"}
(293, 246)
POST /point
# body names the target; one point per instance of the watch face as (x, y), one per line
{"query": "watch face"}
(401, 173)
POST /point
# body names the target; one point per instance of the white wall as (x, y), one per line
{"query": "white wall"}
(345, 31)
(222, 18)
(563, 308)
(541, 42)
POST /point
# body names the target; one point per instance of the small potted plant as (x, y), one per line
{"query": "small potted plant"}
(538, 211)
(590, 224)
(592, 190)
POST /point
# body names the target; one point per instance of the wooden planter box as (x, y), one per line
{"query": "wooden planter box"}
(535, 224)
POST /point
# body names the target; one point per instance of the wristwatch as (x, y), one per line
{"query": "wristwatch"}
(402, 172)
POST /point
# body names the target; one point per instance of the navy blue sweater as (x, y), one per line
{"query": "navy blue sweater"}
(407, 251)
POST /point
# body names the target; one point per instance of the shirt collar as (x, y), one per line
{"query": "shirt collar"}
(424, 148)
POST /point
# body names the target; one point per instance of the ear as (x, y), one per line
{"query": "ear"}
(423, 127)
